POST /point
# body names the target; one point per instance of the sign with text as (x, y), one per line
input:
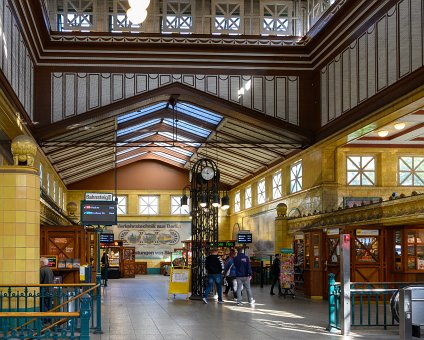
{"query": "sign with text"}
(153, 240)
(52, 260)
(98, 196)
(107, 238)
(244, 238)
(98, 213)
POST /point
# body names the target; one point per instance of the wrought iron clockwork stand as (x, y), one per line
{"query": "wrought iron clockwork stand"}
(204, 224)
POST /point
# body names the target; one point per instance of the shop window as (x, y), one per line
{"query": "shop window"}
(307, 251)
(122, 205)
(367, 249)
(248, 197)
(398, 250)
(415, 240)
(149, 205)
(411, 171)
(277, 185)
(261, 191)
(296, 176)
(315, 248)
(360, 170)
(176, 208)
(333, 250)
(237, 201)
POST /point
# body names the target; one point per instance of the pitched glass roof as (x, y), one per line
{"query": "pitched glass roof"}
(188, 127)
(142, 112)
(172, 158)
(176, 149)
(179, 138)
(137, 127)
(197, 112)
(129, 157)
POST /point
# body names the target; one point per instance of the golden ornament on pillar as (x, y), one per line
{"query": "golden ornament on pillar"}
(24, 149)
(71, 207)
(281, 210)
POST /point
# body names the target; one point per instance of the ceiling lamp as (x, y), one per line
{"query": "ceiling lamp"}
(203, 200)
(216, 200)
(139, 3)
(225, 202)
(137, 12)
(184, 201)
(400, 126)
(383, 133)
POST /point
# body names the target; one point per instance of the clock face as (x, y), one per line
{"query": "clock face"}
(207, 173)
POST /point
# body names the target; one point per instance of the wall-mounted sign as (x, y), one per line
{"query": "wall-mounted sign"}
(98, 196)
(367, 232)
(107, 238)
(333, 231)
(98, 213)
(244, 238)
(244, 231)
(299, 236)
(223, 244)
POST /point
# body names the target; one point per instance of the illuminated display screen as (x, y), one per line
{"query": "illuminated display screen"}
(107, 238)
(98, 212)
(244, 238)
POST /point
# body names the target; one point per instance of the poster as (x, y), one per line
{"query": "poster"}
(287, 270)
(262, 227)
(152, 240)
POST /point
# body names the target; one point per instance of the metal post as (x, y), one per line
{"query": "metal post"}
(331, 303)
(98, 329)
(405, 314)
(345, 283)
(85, 313)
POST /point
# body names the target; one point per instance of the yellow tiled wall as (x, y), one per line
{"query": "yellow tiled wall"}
(19, 225)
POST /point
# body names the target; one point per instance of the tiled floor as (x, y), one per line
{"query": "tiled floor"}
(139, 309)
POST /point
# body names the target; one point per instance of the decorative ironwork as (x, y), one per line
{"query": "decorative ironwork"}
(204, 195)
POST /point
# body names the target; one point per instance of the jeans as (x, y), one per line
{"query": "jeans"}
(276, 279)
(217, 279)
(244, 282)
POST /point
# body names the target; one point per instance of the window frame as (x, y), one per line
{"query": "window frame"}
(413, 171)
(150, 210)
(118, 205)
(296, 181)
(175, 205)
(237, 201)
(277, 187)
(361, 170)
(261, 191)
(248, 199)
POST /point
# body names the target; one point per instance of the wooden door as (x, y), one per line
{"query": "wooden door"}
(128, 262)
(331, 260)
(367, 256)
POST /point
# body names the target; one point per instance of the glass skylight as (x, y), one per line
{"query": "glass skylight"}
(189, 127)
(132, 156)
(197, 112)
(142, 112)
(138, 127)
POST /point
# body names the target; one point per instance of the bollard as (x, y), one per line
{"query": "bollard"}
(331, 303)
(85, 314)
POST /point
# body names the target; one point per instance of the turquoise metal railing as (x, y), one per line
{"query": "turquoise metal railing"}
(370, 303)
(46, 311)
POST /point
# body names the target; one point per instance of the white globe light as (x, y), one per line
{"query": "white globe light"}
(139, 3)
(136, 15)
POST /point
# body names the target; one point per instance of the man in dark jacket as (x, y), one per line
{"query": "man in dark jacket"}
(275, 271)
(243, 276)
(46, 277)
(214, 266)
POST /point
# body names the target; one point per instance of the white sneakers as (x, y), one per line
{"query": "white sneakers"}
(252, 302)
(205, 301)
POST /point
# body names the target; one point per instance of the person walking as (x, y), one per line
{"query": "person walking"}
(275, 272)
(230, 275)
(46, 277)
(214, 267)
(243, 276)
(104, 268)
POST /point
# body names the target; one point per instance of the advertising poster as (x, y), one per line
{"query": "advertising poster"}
(152, 240)
(262, 227)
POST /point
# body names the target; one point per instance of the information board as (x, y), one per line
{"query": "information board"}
(107, 238)
(244, 238)
(179, 281)
(98, 213)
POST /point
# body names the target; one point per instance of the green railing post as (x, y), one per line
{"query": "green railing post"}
(85, 314)
(331, 302)
(99, 291)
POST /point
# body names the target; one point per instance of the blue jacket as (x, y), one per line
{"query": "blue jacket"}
(242, 264)
(233, 271)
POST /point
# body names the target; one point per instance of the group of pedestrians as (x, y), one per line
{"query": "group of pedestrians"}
(240, 274)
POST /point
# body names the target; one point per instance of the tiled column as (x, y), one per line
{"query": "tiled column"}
(19, 225)
(282, 237)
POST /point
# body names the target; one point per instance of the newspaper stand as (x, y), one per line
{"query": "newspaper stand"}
(179, 281)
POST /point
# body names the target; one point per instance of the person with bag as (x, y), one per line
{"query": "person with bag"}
(230, 275)
(275, 272)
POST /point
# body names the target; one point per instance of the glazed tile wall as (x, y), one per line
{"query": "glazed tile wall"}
(19, 225)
